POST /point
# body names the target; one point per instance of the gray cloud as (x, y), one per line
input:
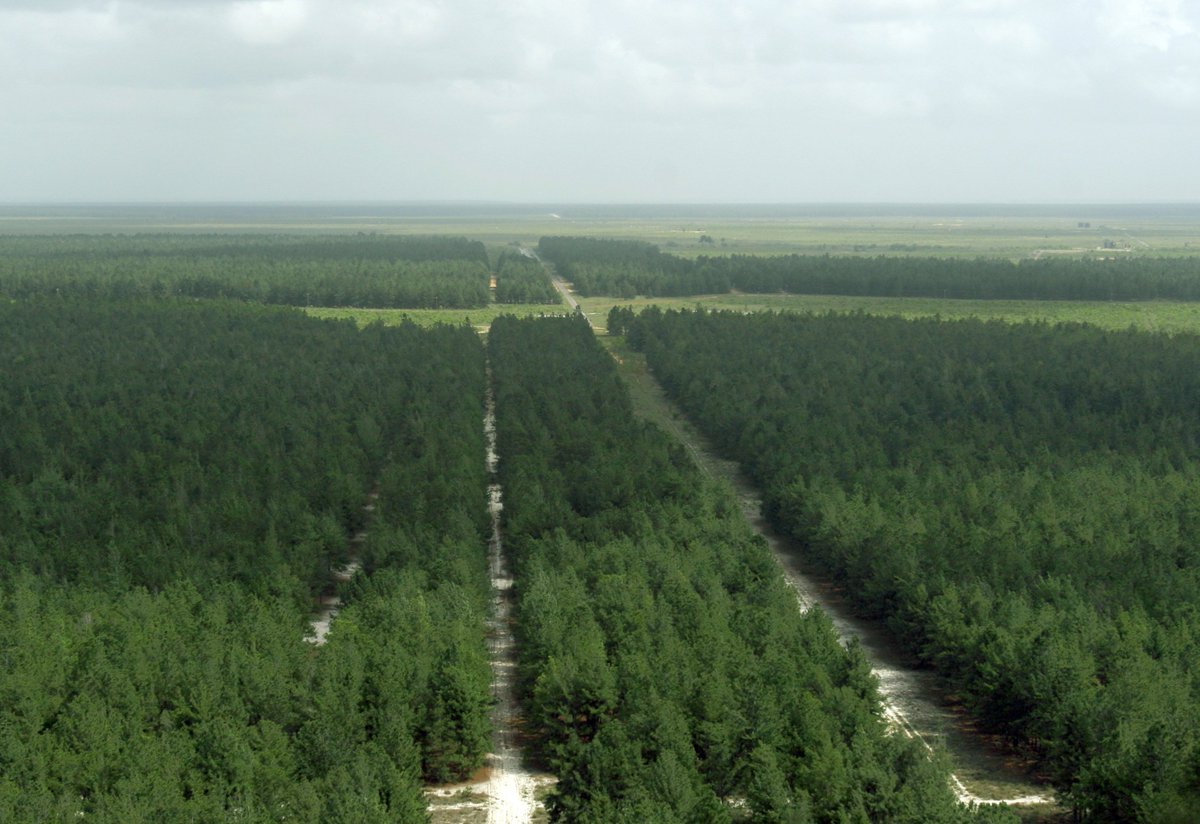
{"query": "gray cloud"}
(583, 100)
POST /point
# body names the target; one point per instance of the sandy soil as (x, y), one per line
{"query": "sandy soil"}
(328, 602)
(984, 773)
(507, 790)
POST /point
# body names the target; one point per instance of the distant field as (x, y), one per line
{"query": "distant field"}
(963, 230)
(1158, 316)
(997, 236)
(431, 317)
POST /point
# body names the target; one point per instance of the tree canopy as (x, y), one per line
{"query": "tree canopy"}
(329, 270)
(667, 669)
(176, 483)
(1016, 501)
(627, 269)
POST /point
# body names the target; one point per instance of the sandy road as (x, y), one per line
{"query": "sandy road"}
(983, 773)
(558, 282)
(509, 792)
(511, 787)
(328, 602)
(565, 292)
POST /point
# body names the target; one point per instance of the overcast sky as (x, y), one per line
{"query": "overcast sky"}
(618, 101)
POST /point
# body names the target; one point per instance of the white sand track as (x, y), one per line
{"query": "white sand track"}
(328, 603)
(511, 792)
(983, 773)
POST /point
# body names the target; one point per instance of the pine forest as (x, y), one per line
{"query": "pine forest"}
(1018, 502)
(258, 565)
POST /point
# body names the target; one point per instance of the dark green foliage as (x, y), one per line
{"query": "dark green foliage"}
(523, 279)
(150, 443)
(175, 482)
(623, 268)
(335, 270)
(629, 268)
(666, 667)
(1049, 278)
(1018, 502)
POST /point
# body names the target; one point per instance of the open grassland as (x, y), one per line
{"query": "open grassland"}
(1158, 316)
(949, 236)
(479, 318)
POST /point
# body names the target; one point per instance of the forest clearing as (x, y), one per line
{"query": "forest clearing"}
(565, 573)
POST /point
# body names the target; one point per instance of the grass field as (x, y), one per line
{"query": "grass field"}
(921, 236)
(1159, 316)
(479, 318)
(949, 236)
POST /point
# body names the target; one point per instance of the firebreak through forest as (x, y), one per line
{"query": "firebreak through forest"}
(177, 482)
(180, 478)
(1017, 501)
(667, 667)
(183, 466)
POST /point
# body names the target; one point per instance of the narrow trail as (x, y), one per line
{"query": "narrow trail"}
(507, 791)
(565, 292)
(559, 283)
(983, 771)
(328, 602)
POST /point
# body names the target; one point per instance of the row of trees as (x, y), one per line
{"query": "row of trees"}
(1017, 502)
(630, 268)
(1048, 278)
(343, 270)
(176, 481)
(291, 247)
(523, 279)
(668, 672)
(623, 268)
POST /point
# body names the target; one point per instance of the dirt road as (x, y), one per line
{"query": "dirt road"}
(328, 602)
(508, 791)
(558, 282)
(983, 772)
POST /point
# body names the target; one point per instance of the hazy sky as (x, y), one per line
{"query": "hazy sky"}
(626, 101)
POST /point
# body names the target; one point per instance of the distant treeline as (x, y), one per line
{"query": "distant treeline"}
(176, 481)
(1019, 502)
(336, 270)
(627, 269)
(668, 671)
